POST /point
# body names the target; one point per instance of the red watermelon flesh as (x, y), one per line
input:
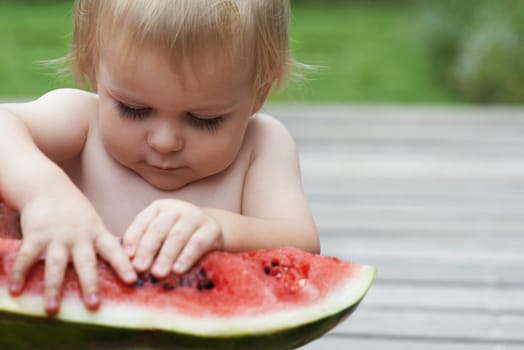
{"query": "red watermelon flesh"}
(257, 298)
(9, 222)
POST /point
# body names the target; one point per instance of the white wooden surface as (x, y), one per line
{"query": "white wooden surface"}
(434, 198)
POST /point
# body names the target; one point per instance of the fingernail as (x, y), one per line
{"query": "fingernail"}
(131, 276)
(51, 305)
(15, 287)
(160, 270)
(93, 299)
(179, 267)
(139, 264)
(129, 251)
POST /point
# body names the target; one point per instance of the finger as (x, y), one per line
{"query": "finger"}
(203, 240)
(171, 248)
(27, 256)
(152, 240)
(55, 266)
(137, 228)
(109, 248)
(84, 259)
(178, 237)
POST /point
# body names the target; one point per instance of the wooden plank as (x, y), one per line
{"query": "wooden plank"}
(454, 249)
(478, 327)
(428, 149)
(467, 192)
(401, 327)
(429, 260)
(417, 272)
(427, 193)
(478, 299)
(405, 125)
(464, 136)
(449, 114)
(418, 132)
(472, 219)
(362, 342)
(411, 167)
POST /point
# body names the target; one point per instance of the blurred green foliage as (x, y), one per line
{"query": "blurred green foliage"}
(365, 50)
(31, 33)
(477, 47)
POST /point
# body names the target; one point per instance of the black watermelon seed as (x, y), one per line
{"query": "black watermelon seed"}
(274, 263)
(208, 284)
(203, 273)
(152, 278)
(267, 270)
(139, 282)
(168, 286)
(205, 284)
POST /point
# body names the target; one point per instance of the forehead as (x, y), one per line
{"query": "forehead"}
(149, 72)
(210, 59)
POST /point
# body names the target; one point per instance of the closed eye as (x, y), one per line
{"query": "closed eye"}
(133, 112)
(206, 124)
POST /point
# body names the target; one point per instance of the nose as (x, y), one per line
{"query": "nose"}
(165, 138)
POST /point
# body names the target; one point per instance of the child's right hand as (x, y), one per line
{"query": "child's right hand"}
(60, 229)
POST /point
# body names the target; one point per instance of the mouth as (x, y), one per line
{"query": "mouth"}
(165, 167)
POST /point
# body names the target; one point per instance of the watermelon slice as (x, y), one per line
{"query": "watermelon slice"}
(268, 299)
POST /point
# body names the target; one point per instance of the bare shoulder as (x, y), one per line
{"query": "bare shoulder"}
(269, 135)
(56, 98)
(58, 120)
(71, 96)
(64, 101)
(56, 105)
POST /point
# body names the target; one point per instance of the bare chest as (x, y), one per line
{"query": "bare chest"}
(119, 194)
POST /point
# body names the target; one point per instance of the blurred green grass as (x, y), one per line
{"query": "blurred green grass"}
(366, 52)
(29, 34)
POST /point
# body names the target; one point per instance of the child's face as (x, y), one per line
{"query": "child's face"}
(173, 127)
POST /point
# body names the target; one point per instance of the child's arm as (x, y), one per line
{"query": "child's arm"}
(57, 221)
(274, 212)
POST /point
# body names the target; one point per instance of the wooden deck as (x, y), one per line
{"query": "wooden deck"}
(434, 198)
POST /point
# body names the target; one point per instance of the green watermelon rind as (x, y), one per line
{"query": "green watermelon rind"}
(25, 333)
(25, 328)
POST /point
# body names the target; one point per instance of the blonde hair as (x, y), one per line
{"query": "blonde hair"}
(184, 29)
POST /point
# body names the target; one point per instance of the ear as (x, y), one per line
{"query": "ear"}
(261, 97)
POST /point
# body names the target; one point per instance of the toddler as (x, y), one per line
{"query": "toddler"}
(169, 154)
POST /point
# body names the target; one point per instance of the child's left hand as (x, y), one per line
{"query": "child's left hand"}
(178, 233)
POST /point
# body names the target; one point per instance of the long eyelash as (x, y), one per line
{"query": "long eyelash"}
(210, 125)
(133, 113)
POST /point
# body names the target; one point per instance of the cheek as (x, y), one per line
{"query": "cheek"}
(116, 134)
(220, 150)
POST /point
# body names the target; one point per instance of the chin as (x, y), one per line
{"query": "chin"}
(168, 185)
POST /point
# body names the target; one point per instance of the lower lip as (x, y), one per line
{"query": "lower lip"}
(165, 169)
